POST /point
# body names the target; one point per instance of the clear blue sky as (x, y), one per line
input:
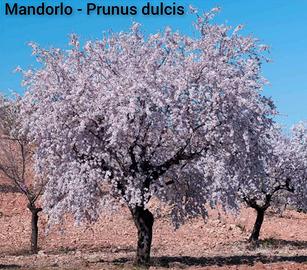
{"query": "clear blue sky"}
(282, 24)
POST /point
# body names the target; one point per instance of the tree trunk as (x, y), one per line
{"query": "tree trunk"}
(257, 226)
(34, 228)
(143, 220)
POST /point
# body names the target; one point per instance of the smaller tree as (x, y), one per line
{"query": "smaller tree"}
(16, 155)
(283, 174)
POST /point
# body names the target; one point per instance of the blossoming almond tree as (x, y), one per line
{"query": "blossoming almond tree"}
(160, 115)
(285, 174)
(16, 153)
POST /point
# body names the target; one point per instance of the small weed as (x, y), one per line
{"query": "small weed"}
(268, 242)
(241, 227)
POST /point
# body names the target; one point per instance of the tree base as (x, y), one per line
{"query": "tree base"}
(143, 220)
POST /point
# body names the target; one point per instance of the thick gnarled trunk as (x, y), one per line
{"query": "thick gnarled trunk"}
(257, 226)
(34, 228)
(143, 220)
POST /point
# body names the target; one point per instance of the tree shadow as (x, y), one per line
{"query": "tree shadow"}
(67, 250)
(112, 249)
(280, 243)
(9, 266)
(90, 249)
(186, 261)
(20, 252)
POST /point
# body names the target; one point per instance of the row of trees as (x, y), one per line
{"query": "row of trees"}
(131, 117)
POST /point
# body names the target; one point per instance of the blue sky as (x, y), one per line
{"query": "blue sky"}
(282, 24)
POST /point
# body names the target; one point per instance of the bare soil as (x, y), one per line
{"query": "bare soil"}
(220, 243)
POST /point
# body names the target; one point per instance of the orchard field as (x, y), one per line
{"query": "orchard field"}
(221, 243)
(137, 135)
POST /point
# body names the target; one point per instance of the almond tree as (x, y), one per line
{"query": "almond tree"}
(285, 174)
(16, 161)
(143, 116)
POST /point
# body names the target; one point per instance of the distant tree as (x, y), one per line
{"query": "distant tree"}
(284, 178)
(16, 161)
(146, 116)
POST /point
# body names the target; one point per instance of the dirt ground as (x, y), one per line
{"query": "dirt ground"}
(220, 243)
